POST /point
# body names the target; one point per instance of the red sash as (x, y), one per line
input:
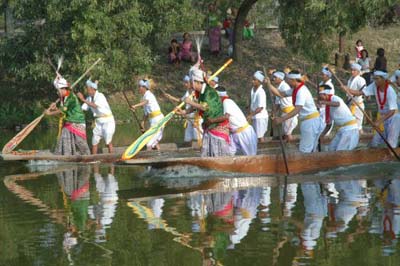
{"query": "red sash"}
(378, 96)
(294, 95)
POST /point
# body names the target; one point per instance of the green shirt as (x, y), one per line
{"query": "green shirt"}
(72, 110)
(214, 108)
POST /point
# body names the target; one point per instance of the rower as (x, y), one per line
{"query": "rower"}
(243, 136)
(258, 106)
(216, 134)
(193, 128)
(72, 127)
(387, 107)
(152, 112)
(104, 119)
(312, 125)
(285, 104)
(357, 82)
(326, 76)
(347, 135)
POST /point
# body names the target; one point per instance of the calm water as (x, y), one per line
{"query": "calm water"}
(119, 215)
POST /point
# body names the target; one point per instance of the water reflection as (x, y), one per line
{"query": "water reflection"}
(97, 211)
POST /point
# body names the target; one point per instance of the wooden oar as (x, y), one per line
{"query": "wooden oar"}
(366, 115)
(139, 143)
(134, 113)
(10, 146)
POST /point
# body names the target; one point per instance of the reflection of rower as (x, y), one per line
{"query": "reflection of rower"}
(291, 198)
(104, 211)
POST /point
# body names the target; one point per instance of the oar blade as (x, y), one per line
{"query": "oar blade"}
(10, 146)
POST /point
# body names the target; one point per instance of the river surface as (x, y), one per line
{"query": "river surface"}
(102, 214)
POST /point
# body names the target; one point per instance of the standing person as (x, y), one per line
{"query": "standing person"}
(258, 106)
(380, 61)
(216, 134)
(365, 62)
(326, 76)
(347, 136)
(214, 30)
(243, 136)
(356, 82)
(193, 122)
(152, 112)
(104, 119)
(359, 47)
(72, 127)
(312, 124)
(386, 100)
(285, 104)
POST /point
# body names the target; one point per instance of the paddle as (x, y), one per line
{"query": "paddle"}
(140, 142)
(366, 115)
(17, 139)
(279, 133)
(134, 113)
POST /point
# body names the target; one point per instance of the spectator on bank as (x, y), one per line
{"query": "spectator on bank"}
(214, 30)
(364, 62)
(173, 52)
(359, 47)
(186, 53)
(380, 61)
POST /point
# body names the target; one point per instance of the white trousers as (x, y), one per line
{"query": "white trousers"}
(245, 142)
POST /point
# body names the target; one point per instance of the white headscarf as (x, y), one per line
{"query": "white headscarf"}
(259, 76)
(60, 83)
(144, 83)
(278, 74)
(380, 73)
(356, 66)
(91, 84)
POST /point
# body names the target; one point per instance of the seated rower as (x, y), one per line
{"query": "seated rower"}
(312, 124)
(216, 134)
(151, 112)
(387, 107)
(336, 110)
(285, 104)
(104, 119)
(243, 136)
(72, 131)
(193, 121)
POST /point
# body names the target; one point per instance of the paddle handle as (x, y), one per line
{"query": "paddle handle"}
(366, 115)
(221, 68)
(133, 112)
(86, 72)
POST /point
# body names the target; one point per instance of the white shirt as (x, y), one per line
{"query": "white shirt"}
(152, 104)
(103, 108)
(391, 97)
(304, 99)
(340, 114)
(236, 117)
(364, 63)
(330, 84)
(187, 106)
(285, 101)
(259, 99)
(357, 83)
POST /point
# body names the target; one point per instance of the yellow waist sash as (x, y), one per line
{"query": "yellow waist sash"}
(241, 129)
(287, 109)
(349, 123)
(310, 116)
(155, 113)
(104, 116)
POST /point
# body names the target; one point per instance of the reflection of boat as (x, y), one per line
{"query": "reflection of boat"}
(274, 164)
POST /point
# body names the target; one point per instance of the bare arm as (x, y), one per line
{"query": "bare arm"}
(82, 98)
(142, 103)
(334, 104)
(293, 113)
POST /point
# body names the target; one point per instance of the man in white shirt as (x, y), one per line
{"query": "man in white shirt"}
(243, 136)
(151, 111)
(326, 76)
(347, 136)
(258, 106)
(386, 99)
(312, 125)
(285, 104)
(104, 119)
(356, 82)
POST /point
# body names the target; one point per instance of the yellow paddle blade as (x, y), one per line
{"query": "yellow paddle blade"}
(10, 146)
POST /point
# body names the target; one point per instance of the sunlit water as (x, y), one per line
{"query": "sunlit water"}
(76, 214)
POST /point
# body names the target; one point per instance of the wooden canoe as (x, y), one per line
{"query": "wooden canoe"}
(274, 164)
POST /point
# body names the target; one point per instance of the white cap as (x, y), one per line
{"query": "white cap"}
(259, 76)
(60, 83)
(91, 84)
(144, 83)
(278, 74)
(356, 66)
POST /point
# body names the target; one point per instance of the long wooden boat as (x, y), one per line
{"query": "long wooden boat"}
(167, 150)
(273, 163)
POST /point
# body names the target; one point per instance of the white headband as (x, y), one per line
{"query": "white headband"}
(186, 78)
(60, 83)
(144, 83)
(222, 93)
(259, 76)
(294, 76)
(326, 71)
(381, 74)
(279, 75)
(91, 84)
(356, 66)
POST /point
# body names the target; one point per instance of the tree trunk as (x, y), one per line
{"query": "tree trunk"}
(8, 19)
(341, 42)
(238, 29)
